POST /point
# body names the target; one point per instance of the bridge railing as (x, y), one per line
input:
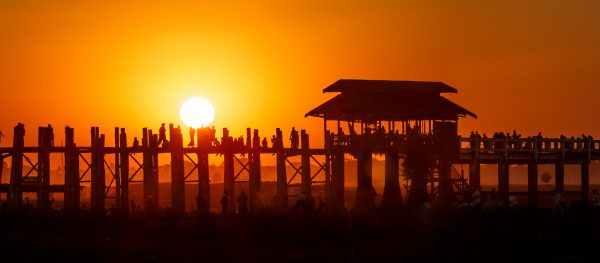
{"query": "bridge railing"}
(528, 145)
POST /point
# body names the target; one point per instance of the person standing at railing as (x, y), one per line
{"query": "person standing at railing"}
(472, 140)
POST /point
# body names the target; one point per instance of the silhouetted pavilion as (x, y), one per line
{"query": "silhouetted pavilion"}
(417, 106)
(375, 102)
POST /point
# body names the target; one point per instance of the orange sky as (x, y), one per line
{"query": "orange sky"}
(529, 65)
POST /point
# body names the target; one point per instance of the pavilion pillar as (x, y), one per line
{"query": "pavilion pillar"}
(337, 181)
(365, 194)
(392, 198)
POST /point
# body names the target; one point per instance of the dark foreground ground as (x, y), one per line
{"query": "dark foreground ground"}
(455, 235)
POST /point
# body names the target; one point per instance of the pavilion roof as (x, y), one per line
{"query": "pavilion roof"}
(372, 100)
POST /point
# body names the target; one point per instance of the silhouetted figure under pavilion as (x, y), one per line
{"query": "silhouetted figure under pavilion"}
(404, 108)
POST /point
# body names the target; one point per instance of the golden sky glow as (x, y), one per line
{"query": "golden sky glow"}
(526, 65)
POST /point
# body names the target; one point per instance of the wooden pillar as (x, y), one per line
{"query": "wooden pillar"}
(559, 168)
(124, 162)
(559, 175)
(255, 176)
(282, 195)
(585, 182)
(229, 173)
(475, 168)
(155, 182)
(305, 164)
(150, 152)
(532, 182)
(365, 200)
(43, 179)
(98, 175)
(337, 180)
(69, 182)
(117, 170)
(204, 143)
(392, 198)
(15, 193)
(503, 181)
(177, 171)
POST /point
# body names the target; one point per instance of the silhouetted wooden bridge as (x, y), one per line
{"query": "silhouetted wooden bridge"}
(87, 164)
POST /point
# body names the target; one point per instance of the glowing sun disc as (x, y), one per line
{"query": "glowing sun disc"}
(197, 112)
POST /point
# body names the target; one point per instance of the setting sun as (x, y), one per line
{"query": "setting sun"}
(197, 112)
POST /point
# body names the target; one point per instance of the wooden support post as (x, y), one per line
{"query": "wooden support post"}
(117, 170)
(15, 193)
(229, 173)
(124, 172)
(43, 179)
(392, 197)
(305, 164)
(155, 184)
(177, 171)
(559, 175)
(365, 200)
(532, 182)
(147, 165)
(254, 177)
(503, 181)
(71, 196)
(559, 168)
(98, 175)
(282, 195)
(475, 168)
(204, 142)
(150, 167)
(585, 182)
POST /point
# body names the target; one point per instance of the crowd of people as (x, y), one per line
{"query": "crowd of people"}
(516, 141)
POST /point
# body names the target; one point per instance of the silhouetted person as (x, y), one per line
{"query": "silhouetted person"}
(50, 135)
(192, 133)
(136, 143)
(476, 199)
(150, 209)
(294, 138)
(264, 143)
(224, 203)
(301, 203)
(559, 203)
(595, 198)
(1, 136)
(494, 195)
(242, 201)
(273, 141)
(133, 207)
(202, 205)
(162, 134)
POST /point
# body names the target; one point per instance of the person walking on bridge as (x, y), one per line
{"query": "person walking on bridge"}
(162, 134)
